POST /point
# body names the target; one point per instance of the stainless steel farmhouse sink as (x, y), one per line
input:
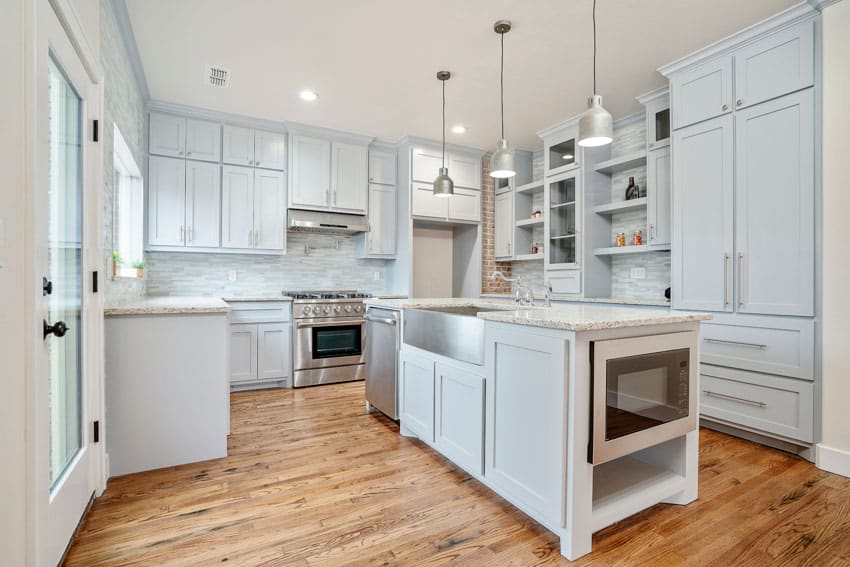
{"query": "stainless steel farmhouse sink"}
(453, 331)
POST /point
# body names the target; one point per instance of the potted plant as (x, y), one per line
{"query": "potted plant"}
(140, 268)
(117, 262)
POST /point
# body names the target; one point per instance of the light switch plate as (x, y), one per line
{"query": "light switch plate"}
(376, 276)
(638, 273)
(231, 276)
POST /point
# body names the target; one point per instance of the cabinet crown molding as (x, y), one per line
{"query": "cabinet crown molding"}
(787, 18)
(409, 141)
(317, 131)
(653, 95)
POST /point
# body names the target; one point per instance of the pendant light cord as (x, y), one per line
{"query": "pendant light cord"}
(444, 123)
(594, 47)
(502, 83)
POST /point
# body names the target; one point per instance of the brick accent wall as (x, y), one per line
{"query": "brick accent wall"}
(488, 229)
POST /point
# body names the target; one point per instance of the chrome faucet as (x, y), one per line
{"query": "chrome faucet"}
(522, 294)
(547, 293)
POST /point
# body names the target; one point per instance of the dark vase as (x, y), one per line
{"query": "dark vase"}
(632, 191)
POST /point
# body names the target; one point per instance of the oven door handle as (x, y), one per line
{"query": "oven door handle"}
(385, 321)
(303, 324)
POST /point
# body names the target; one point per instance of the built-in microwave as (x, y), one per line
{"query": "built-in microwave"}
(644, 393)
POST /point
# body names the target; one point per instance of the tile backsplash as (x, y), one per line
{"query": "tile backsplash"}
(324, 267)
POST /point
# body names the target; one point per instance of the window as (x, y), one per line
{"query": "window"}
(128, 213)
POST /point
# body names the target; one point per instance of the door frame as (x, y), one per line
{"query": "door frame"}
(37, 433)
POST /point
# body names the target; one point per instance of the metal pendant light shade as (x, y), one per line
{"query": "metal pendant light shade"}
(596, 125)
(502, 162)
(443, 184)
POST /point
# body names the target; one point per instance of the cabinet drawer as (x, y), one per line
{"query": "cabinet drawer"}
(260, 312)
(566, 282)
(774, 345)
(781, 406)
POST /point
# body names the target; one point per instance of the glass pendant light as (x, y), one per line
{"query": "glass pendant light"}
(596, 126)
(443, 184)
(502, 162)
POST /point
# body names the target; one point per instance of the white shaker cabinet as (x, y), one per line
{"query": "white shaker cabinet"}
(504, 224)
(273, 350)
(237, 207)
(381, 238)
(416, 374)
(203, 140)
(382, 167)
(269, 150)
(257, 148)
(426, 163)
(425, 204)
(464, 170)
(167, 135)
(237, 145)
(702, 93)
(775, 214)
(243, 353)
(203, 204)
(659, 198)
(260, 344)
(349, 188)
(464, 205)
(703, 175)
(459, 416)
(269, 210)
(310, 172)
(166, 201)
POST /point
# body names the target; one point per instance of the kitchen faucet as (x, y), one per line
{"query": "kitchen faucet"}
(547, 293)
(522, 294)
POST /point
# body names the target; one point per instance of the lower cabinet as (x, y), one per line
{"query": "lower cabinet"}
(459, 417)
(417, 394)
(260, 344)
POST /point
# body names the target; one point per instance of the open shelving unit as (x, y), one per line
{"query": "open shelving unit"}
(620, 206)
(530, 187)
(530, 222)
(528, 230)
(622, 163)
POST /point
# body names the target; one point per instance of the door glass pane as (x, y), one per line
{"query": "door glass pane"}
(330, 342)
(65, 237)
(562, 225)
(662, 125)
(562, 154)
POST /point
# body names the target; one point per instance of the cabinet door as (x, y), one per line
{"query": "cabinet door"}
(243, 353)
(310, 172)
(425, 163)
(382, 220)
(417, 394)
(775, 206)
(269, 150)
(274, 345)
(166, 202)
(425, 204)
(779, 64)
(349, 186)
(562, 223)
(167, 135)
(203, 140)
(504, 225)
(465, 171)
(237, 145)
(703, 215)
(464, 205)
(269, 210)
(702, 93)
(382, 168)
(203, 204)
(660, 214)
(237, 207)
(460, 417)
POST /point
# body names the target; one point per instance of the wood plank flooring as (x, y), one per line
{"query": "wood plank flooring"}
(311, 479)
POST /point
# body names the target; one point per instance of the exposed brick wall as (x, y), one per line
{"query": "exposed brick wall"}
(488, 227)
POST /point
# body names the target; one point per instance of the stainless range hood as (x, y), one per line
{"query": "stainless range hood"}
(327, 223)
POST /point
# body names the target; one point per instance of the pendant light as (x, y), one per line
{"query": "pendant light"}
(502, 162)
(596, 126)
(443, 184)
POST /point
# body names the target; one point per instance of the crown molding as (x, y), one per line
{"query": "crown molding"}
(125, 30)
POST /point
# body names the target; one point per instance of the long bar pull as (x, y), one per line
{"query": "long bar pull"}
(725, 279)
(740, 279)
(709, 393)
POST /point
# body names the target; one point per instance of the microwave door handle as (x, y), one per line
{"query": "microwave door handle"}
(305, 324)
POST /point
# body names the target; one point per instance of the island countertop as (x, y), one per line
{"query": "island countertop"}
(575, 318)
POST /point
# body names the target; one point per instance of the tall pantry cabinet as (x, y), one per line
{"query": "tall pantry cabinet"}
(744, 239)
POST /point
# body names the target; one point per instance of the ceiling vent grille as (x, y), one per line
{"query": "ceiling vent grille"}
(218, 76)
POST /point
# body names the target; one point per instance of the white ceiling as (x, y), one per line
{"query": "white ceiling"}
(373, 61)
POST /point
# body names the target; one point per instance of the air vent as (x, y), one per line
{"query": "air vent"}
(218, 76)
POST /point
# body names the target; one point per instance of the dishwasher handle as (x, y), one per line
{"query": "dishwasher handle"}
(386, 321)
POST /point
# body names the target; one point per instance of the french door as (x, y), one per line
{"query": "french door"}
(67, 363)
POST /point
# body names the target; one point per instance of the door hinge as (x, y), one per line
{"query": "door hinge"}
(95, 130)
(94, 281)
(96, 433)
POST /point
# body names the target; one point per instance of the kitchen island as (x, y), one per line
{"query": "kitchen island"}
(521, 419)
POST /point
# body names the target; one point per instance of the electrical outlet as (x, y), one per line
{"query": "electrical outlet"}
(376, 276)
(231, 276)
(638, 273)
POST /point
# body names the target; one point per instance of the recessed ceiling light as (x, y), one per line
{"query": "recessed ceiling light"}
(308, 95)
(459, 129)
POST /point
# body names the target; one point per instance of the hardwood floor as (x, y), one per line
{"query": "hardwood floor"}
(312, 480)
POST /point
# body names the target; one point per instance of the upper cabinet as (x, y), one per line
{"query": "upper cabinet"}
(328, 174)
(380, 241)
(382, 167)
(464, 169)
(253, 209)
(657, 109)
(176, 136)
(560, 151)
(703, 92)
(257, 148)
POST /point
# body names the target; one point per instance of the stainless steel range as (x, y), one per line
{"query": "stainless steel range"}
(329, 339)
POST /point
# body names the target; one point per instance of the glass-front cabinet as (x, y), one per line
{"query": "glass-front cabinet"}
(657, 105)
(563, 201)
(561, 150)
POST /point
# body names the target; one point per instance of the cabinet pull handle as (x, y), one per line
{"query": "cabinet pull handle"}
(188, 153)
(256, 238)
(256, 163)
(724, 108)
(739, 102)
(740, 279)
(190, 234)
(652, 232)
(181, 233)
(250, 236)
(725, 279)
(711, 394)
(736, 343)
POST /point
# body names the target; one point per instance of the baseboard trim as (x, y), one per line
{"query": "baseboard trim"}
(833, 460)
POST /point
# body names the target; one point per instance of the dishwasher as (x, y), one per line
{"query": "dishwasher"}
(382, 345)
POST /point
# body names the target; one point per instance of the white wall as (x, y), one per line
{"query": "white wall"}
(13, 471)
(834, 450)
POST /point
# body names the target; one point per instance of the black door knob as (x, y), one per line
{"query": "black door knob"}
(57, 329)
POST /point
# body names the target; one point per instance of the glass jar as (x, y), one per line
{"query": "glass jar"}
(621, 239)
(637, 238)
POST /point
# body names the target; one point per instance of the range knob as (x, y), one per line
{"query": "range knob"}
(327, 309)
(307, 310)
(358, 308)
(337, 309)
(348, 308)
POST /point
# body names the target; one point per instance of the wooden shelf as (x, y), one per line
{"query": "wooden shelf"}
(559, 205)
(620, 206)
(530, 187)
(530, 222)
(523, 257)
(621, 163)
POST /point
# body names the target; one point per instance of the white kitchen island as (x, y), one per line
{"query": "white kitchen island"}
(520, 422)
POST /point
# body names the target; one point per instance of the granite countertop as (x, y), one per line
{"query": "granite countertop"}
(232, 298)
(167, 305)
(611, 300)
(563, 317)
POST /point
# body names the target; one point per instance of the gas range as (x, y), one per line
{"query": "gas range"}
(324, 304)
